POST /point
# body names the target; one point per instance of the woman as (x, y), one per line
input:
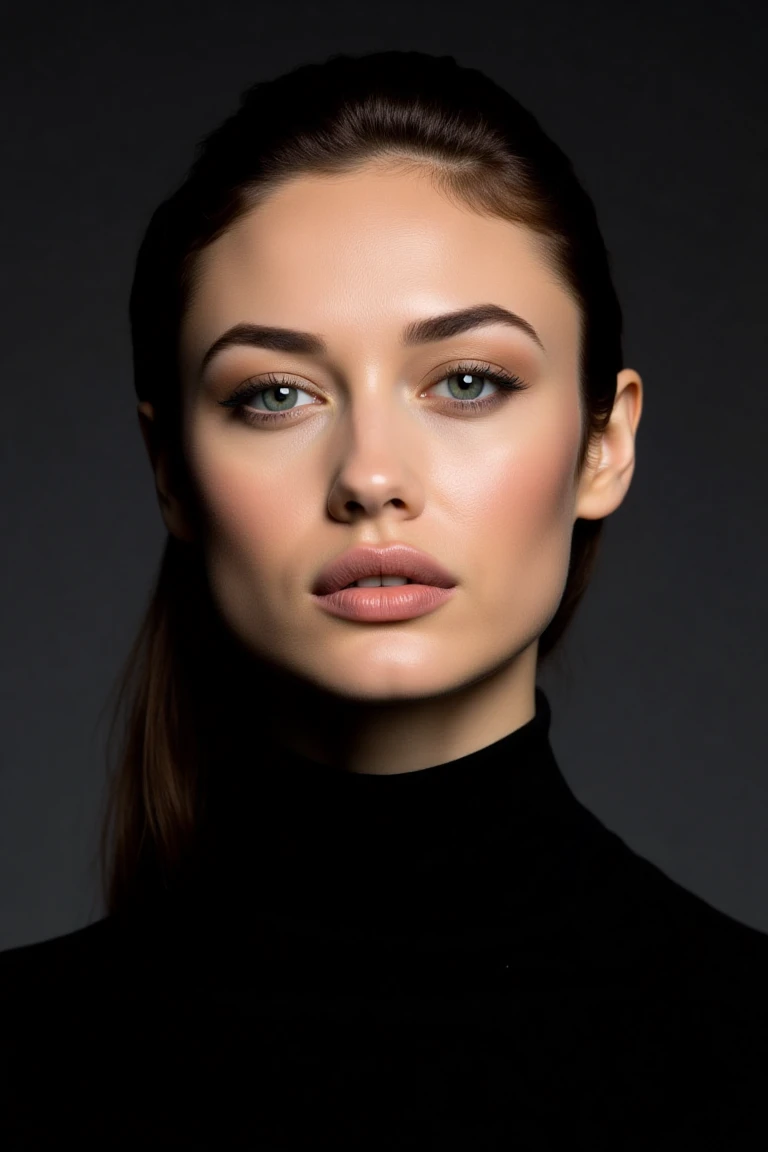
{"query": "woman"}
(351, 900)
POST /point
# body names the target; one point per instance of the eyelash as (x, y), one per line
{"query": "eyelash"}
(507, 382)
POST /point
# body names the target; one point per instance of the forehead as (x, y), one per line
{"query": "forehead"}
(358, 256)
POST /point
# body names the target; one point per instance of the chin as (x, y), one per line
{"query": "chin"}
(384, 685)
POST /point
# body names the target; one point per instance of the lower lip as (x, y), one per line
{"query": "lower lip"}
(385, 604)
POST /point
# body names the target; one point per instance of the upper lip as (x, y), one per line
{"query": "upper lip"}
(393, 560)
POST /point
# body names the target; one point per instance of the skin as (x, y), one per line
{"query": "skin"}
(381, 456)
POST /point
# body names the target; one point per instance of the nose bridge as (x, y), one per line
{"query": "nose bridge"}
(376, 452)
(375, 412)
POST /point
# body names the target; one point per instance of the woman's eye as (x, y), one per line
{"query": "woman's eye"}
(279, 398)
(282, 397)
(465, 392)
(463, 385)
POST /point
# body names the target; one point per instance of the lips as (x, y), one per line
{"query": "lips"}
(393, 560)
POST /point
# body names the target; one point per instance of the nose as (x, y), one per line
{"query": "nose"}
(376, 470)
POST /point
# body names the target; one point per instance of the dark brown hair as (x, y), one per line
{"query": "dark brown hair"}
(483, 149)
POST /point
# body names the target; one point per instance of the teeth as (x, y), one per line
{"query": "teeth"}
(380, 581)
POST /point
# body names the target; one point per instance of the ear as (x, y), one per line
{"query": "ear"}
(605, 481)
(172, 507)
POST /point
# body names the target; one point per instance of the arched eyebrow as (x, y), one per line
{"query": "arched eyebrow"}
(432, 328)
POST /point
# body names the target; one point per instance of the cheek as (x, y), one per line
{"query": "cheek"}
(542, 491)
(254, 513)
(526, 515)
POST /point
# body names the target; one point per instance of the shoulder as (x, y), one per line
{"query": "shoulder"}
(639, 916)
(55, 961)
(113, 958)
(79, 942)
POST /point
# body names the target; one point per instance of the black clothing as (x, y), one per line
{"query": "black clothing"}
(458, 957)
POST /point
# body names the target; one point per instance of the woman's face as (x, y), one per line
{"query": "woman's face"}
(380, 445)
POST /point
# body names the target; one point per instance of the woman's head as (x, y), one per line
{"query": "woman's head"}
(383, 441)
(352, 200)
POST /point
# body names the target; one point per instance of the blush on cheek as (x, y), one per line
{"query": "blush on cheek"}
(238, 512)
(545, 465)
(545, 485)
(533, 509)
(259, 524)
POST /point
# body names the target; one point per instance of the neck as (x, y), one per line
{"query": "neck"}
(383, 737)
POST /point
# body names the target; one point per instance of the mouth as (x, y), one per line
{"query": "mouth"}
(379, 582)
(388, 567)
(385, 599)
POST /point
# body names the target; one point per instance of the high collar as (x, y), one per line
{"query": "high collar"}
(481, 868)
(447, 846)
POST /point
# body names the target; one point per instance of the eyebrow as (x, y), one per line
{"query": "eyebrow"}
(432, 328)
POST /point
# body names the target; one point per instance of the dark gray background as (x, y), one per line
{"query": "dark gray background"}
(659, 714)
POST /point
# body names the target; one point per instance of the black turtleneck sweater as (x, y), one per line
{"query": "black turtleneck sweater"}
(458, 957)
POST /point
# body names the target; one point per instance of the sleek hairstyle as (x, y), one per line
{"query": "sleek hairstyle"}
(481, 148)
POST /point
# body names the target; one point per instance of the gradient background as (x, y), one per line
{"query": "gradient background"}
(659, 708)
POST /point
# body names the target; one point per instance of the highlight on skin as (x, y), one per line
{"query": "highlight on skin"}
(372, 442)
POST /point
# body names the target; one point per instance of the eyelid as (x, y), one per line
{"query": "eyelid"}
(506, 384)
(277, 379)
